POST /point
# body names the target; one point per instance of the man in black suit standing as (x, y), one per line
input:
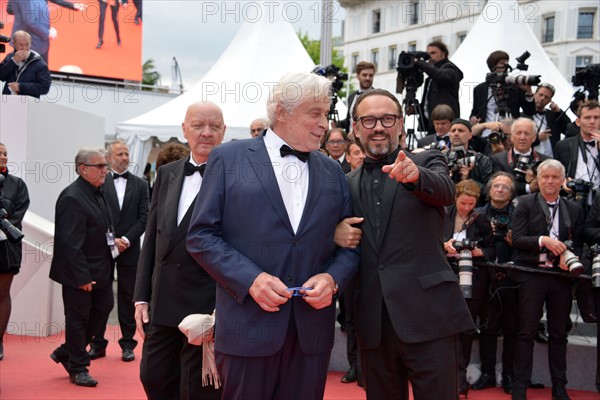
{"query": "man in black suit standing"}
(365, 73)
(127, 197)
(550, 123)
(83, 243)
(170, 285)
(541, 223)
(403, 261)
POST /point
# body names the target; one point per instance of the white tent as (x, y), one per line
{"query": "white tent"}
(502, 26)
(239, 82)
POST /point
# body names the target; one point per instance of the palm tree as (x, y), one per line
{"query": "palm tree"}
(150, 76)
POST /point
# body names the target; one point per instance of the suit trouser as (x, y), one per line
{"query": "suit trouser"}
(534, 291)
(84, 314)
(138, 8)
(114, 11)
(431, 367)
(289, 374)
(351, 342)
(171, 368)
(126, 309)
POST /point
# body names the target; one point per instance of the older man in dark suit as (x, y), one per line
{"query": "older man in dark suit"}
(170, 285)
(272, 339)
(403, 331)
(83, 242)
(127, 197)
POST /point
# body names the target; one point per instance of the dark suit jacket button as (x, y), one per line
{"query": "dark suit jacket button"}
(381, 266)
(290, 277)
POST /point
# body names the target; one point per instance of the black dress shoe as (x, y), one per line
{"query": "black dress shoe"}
(96, 353)
(559, 393)
(100, 43)
(485, 381)
(541, 337)
(589, 318)
(61, 356)
(463, 390)
(507, 384)
(351, 376)
(82, 379)
(127, 355)
(118, 42)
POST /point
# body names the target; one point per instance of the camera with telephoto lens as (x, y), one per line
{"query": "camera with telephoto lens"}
(580, 191)
(334, 74)
(570, 259)
(496, 137)
(501, 221)
(409, 75)
(595, 254)
(458, 157)
(13, 234)
(589, 78)
(465, 265)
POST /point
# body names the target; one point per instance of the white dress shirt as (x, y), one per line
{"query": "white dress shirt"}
(189, 191)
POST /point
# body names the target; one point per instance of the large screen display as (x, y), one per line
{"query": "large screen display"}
(94, 38)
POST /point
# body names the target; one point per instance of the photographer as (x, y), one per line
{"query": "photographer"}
(465, 226)
(441, 117)
(579, 155)
(463, 162)
(522, 157)
(541, 224)
(515, 98)
(14, 198)
(498, 139)
(442, 83)
(365, 73)
(550, 123)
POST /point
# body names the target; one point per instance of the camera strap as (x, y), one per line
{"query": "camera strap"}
(469, 221)
(533, 157)
(584, 152)
(550, 218)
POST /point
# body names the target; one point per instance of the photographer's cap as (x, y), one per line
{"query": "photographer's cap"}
(462, 122)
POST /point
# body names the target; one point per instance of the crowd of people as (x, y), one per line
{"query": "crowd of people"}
(348, 213)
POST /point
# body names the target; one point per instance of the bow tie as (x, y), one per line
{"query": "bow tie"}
(190, 169)
(591, 143)
(370, 163)
(124, 175)
(99, 191)
(551, 205)
(543, 112)
(286, 150)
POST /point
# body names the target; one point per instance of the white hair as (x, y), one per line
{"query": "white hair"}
(294, 89)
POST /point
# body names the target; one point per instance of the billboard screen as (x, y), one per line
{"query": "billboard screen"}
(74, 29)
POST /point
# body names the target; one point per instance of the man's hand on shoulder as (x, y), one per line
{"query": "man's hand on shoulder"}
(403, 170)
(269, 292)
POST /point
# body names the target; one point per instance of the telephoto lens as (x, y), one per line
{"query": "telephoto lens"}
(465, 273)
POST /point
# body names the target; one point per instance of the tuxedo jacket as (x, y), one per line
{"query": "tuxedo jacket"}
(443, 79)
(240, 228)
(567, 152)
(81, 253)
(130, 221)
(557, 123)
(167, 276)
(501, 163)
(516, 102)
(406, 266)
(529, 222)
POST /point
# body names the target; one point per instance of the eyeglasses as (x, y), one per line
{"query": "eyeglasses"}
(336, 142)
(99, 166)
(387, 121)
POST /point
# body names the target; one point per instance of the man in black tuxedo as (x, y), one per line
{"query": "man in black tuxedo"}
(170, 285)
(550, 123)
(541, 223)
(403, 261)
(83, 243)
(127, 197)
(365, 73)
(485, 106)
(442, 83)
(519, 160)
(441, 118)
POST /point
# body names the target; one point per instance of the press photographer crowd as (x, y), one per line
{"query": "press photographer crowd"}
(429, 238)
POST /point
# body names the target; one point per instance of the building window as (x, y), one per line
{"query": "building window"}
(393, 57)
(375, 58)
(461, 37)
(585, 25)
(412, 46)
(582, 61)
(413, 12)
(376, 21)
(354, 62)
(548, 34)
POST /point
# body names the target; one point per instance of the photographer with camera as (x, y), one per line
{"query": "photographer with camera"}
(463, 162)
(551, 123)
(522, 157)
(542, 225)
(493, 101)
(365, 73)
(14, 199)
(498, 139)
(579, 155)
(442, 83)
(468, 236)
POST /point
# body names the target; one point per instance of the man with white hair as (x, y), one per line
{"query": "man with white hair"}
(278, 270)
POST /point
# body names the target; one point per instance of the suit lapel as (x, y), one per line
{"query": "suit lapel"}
(261, 164)
(315, 184)
(110, 194)
(173, 194)
(389, 194)
(354, 183)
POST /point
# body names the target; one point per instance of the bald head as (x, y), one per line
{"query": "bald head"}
(204, 128)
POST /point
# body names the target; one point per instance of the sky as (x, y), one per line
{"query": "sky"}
(197, 32)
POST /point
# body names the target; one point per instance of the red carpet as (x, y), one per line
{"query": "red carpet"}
(27, 372)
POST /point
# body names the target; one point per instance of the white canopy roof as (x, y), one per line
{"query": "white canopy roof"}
(502, 26)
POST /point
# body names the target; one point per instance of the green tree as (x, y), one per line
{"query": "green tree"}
(150, 76)
(313, 48)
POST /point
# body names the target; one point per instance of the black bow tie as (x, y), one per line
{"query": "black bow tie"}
(190, 169)
(552, 205)
(591, 143)
(370, 163)
(124, 175)
(543, 112)
(286, 150)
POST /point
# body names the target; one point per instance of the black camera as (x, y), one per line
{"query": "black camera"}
(496, 137)
(595, 254)
(521, 167)
(465, 265)
(3, 39)
(501, 222)
(334, 74)
(581, 190)
(409, 76)
(13, 234)
(571, 260)
(589, 78)
(458, 157)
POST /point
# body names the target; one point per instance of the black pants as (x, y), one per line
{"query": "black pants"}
(114, 11)
(85, 312)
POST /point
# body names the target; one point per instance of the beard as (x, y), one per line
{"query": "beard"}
(379, 149)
